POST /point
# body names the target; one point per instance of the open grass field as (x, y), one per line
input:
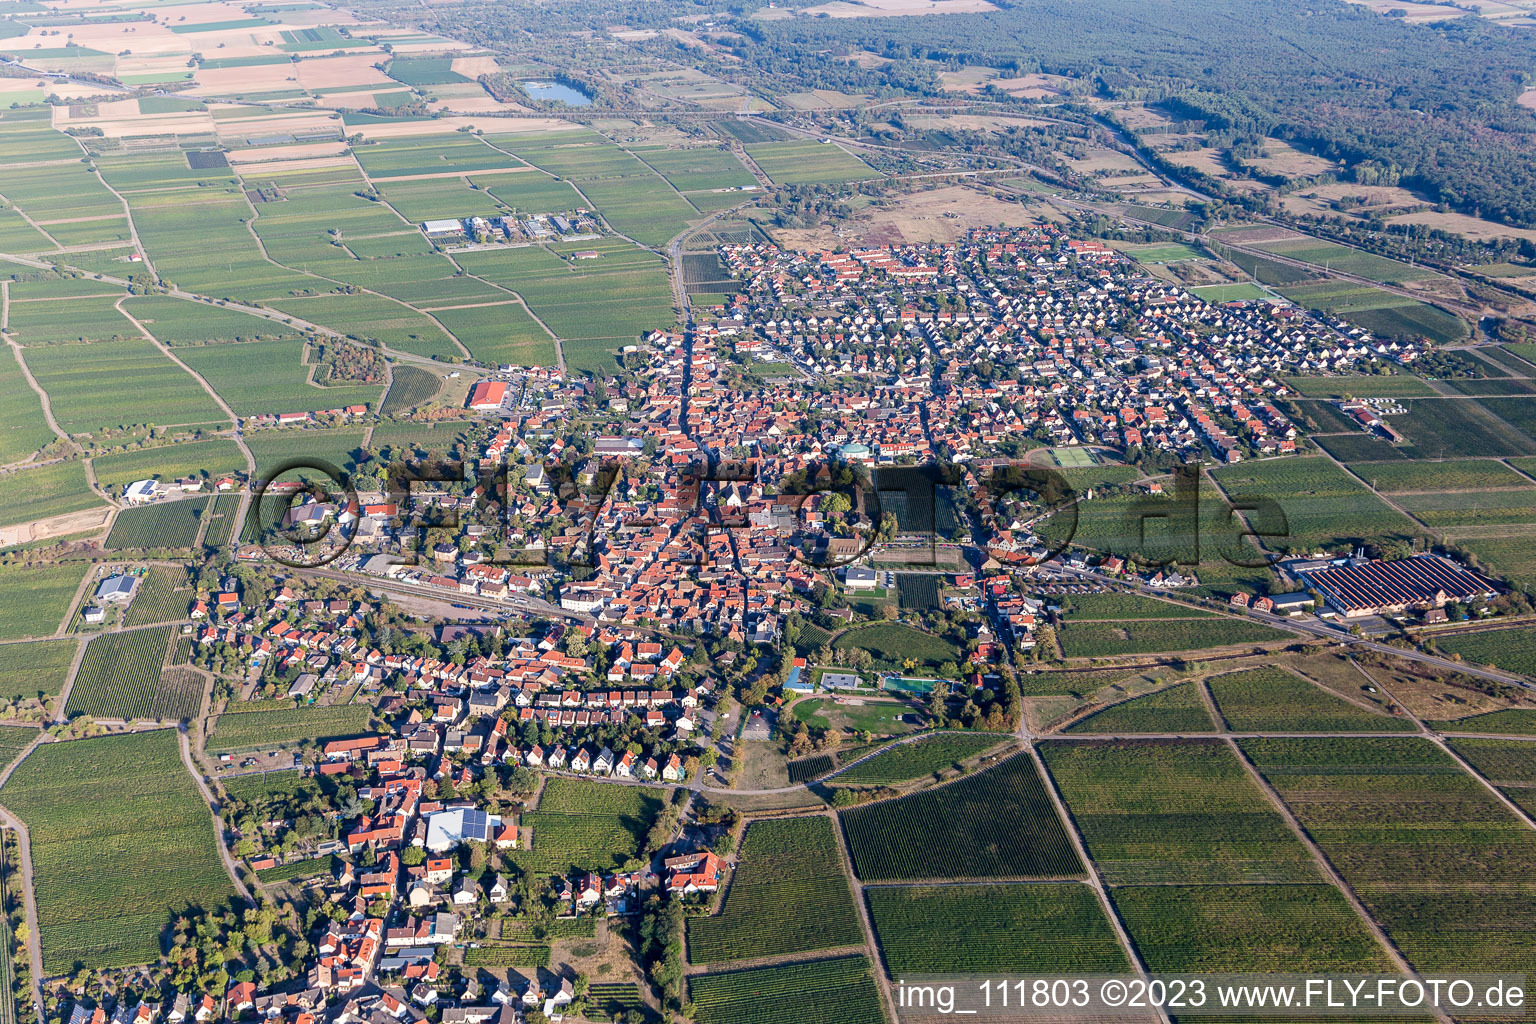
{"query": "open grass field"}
(1177, 709)
(798, 163)
(977, 929)
(588, 825)
(840, 991)
(1158, 811)
(782, 898)
(1112, 639)
(1271, 699)
(270, 377)
(1513, 650)
(43, 492)
(120, 674)
(165, 524)
(37, 669)
(1211, 928)
(24, 429)
(165, 593)
(86, 803)
(119, 384)
(35, 598)
(995, 824)
(892, 644)
(1324, 507)
(262, 730)
(879, 717)
(910, 761)
(213, 458)
(1436, 859)
(1229, 292)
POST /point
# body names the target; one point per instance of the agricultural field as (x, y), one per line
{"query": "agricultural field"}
(1217, 928)
(507, 955)
(908, 761)
(976, 929)
(1513, 650)
(45, 492)
(1178, 709)
(1386, 385)
(1435, 858)
(424, 71)
(1443, 428)
(298, 870)
(272, 448)
(1116, 606)
(179, 695)
(13, 740)
(893, 644)
(263, 787)
(120, 675)
(113, 914)
(1506, 763)
(31, 670)
(589, 826)
(164, 524)
(178, 322)
(1324, 507)
(35, 598)
(698, 169)
(411, 386)
(499, 333)
(1509, 722)
(1381, 312)
(646, 209)
(1510, 555)
(1344, 259)
(259, 377)
(996, 824)
(782, 898)
(261, 730)
(840, 991)
(799, 163)
(86, 387)
(165, 593)
(222, 519)
(1270, 699)
(1470, 474)
(24, 430)
(1112, 639)
(213, 458)
(1160, 811)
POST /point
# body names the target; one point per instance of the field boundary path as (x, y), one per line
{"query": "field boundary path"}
(1326, 866)
(213, 811)
(28, 889)
(871, 943)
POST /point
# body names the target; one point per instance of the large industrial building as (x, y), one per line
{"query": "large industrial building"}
(1392, 587)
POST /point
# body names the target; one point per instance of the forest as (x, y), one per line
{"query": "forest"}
(1433, 105)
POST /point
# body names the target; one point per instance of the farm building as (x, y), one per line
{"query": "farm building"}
(141, 491)
(442, 227)
(1382, 587)
(487, 395)
(116, 589)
